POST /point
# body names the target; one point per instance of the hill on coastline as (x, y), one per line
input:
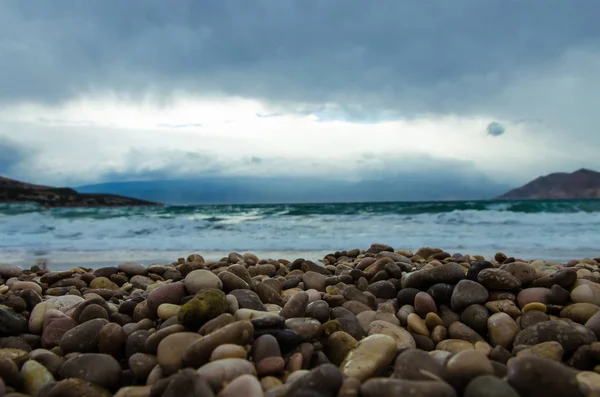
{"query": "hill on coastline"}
(13, 191)
(581, 184)
(268, 190)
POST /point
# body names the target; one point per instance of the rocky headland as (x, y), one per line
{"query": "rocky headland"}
(13, 191)
(581, 184)
(371, 323)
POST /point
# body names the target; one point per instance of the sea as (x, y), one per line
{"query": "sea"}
(92, 237)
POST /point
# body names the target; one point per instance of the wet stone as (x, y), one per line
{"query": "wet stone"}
(476, 317)
(441, 293)
(489, 386)
(468, 293)
(248, 299)
(498, 279)
(318, 310)
(530, 375)
(406, 296)
(402, 387)
(450, 273)
(568, 335)
(424, 304)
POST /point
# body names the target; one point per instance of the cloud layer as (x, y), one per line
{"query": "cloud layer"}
(110, 89)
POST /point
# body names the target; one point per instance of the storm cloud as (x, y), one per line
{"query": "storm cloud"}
(12, 155)
(435, 57)
(530, 68)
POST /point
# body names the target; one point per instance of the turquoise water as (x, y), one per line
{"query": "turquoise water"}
(558, 230)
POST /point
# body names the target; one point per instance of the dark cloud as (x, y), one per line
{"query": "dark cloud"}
(429, 180)
(12, 155)
(495, 129)
(396, 56)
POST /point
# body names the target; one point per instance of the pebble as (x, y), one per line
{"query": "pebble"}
(502, 330)
(197, 280)
(401, 387)
(323, 381)
(427, 369)
(376, 322)
(569, 336)
(83, 338)
(35, 377)
(220, 372)
(467, 293)
(489, 386)
(536, 376)
(244, 385)
(401, 336)
(371, 355)
(466, 365)
(498, 279)
(551, 350)
(100, 369)
(172, 348)
(424, 304)
(11, 322)
(199, 352)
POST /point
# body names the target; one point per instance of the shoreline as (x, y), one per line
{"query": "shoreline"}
(62, 260)
(362, 322)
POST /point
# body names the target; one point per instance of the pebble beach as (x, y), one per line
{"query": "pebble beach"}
(372, 323)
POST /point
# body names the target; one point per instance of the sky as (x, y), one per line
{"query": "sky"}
(106, 90)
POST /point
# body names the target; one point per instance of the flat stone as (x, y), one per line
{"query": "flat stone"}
(489, 386)
(244, 385)
(100, 369)
(197, 280)
(550, 350)
(172, 349)
(401, 336)
(466, 365)
(537, 294)
(314, 280)
(476, 317)
(424, 304)
(83, 338)
(454, 345)
(579, 312)
(372, 355)
(521, 270)
(498, 279)
(133, 269)
(563, 277)
(35, 377)
(536, 376)
(426, 369)
(198, 353)
(468, 293)
(402, 387)
(568, 335)
(11, 322)
(502, 330)
(7, 270)
(586, 293)
(450, 273)
(322, 381)
(248, 299)
(221, 372)
(74, 387)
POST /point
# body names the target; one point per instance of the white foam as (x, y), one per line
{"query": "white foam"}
(165, 234)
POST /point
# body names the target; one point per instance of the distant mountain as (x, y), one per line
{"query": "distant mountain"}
(16, 191)
(581, 184)
(263, 190)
